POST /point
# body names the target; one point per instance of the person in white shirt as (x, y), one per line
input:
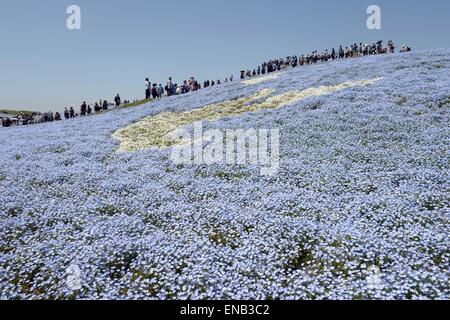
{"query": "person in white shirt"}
(170, 87)
(148, 88)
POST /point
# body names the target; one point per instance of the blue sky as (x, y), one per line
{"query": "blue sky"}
(44, 66)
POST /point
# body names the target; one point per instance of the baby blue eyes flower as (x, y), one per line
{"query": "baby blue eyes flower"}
(358, 209)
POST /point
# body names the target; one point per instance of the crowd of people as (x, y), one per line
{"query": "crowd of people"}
(352, 51)
(98, 107)
(30, 118)
(69, 113)
(157, 91)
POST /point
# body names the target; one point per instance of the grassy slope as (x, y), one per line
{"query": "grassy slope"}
(135, 104)
(16, 112)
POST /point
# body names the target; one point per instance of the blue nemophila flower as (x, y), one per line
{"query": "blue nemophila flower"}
(361, 187)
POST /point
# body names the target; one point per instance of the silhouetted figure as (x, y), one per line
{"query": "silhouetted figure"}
(170, 88)
(160, 91)
(83, 109)
(147, 88)
(117, 100)
(154, 91)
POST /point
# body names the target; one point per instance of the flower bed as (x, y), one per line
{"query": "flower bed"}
(358, 210)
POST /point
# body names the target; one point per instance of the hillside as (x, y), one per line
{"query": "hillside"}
(15, 113)
(357, 209)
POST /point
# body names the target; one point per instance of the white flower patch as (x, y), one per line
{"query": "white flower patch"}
(157, 131)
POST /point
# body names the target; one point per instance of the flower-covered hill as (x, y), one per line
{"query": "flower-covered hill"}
(359, 208)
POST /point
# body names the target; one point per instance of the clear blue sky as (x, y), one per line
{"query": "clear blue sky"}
(44, 66)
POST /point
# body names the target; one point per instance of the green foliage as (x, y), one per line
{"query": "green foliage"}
(16, 113)
(444, 102)
(401, 101)
(136, 104)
